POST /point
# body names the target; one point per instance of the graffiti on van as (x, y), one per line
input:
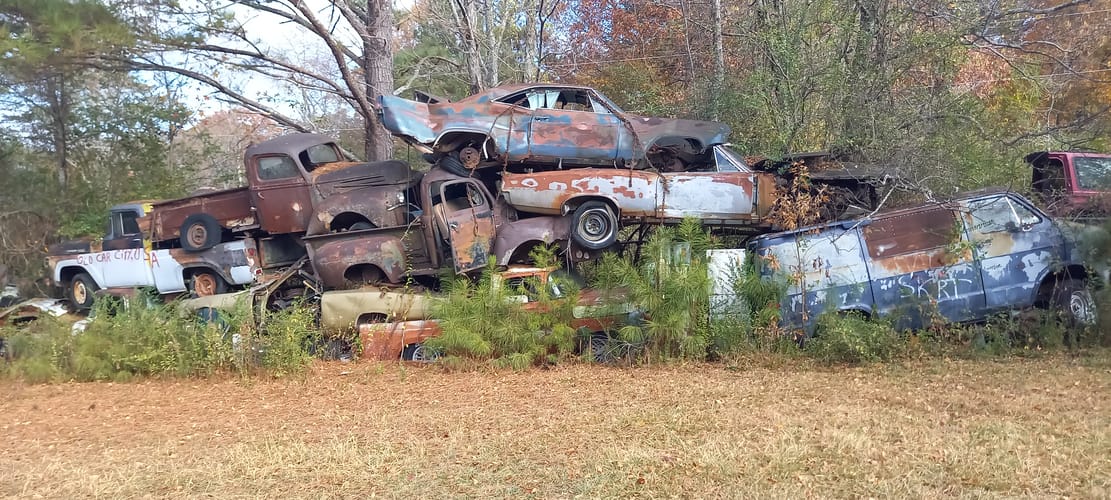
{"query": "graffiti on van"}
(988, 252)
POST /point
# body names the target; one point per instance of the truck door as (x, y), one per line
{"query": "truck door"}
(123, 260)
(468, 221)
(280, 195)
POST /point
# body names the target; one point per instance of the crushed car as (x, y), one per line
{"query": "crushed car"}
(986, 252)
(544, 124)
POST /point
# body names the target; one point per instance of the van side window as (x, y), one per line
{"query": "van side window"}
(911, 232)
(996, 215)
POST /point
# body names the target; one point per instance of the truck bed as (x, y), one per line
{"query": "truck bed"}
(230, 207)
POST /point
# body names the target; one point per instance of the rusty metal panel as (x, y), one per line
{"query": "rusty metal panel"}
(891, 238)
(634, 192)
(231, 208)
(333, 255)
(726, 195)
(386, 341)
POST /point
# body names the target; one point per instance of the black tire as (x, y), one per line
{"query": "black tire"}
(80, 292)
(420, 353)
(206, 282)
(200, 232)
(1074, 303)
(453, 165)
(594, 225)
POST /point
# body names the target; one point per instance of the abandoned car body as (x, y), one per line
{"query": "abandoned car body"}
(297, 184)
(457, 221)
(123, 259)
(985, 253)
(544, 124)
(729, 193)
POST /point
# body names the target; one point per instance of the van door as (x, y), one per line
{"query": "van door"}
(1015, 248)
(280, 195)
(467, 223)
(919, 270)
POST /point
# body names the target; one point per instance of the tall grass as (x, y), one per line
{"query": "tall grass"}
(139, 337)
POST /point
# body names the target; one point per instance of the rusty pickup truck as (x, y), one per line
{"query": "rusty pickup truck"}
(1072, 184)
(457, 225)
(983, 253)
(297, 184)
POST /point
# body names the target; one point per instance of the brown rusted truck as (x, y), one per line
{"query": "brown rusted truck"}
(455, 223)
(296, 184)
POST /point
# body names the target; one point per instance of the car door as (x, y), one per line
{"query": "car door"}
(468, 223)
(1015, 246)
(280, 195)
(123, 260)
(566, 126)
(727, 192)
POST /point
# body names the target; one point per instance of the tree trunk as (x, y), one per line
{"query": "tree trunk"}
(719, 63)
(378, 70)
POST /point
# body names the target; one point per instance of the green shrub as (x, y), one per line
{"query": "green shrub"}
(485, 320)
(851, 338)
(140, 337)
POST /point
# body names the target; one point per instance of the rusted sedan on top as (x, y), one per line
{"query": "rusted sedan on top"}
(725, 192)
(545, 124)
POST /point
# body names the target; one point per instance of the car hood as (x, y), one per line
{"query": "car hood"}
(342, 177)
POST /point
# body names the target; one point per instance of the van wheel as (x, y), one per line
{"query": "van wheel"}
(1074, 303)
(200, 232)
(205, 283)
(594, 225)
(80, 292)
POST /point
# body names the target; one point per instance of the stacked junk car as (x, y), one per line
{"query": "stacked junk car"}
(523, 166)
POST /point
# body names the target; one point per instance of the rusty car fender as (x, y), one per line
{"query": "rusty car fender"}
(333, 257)
(381, 207)
(512, 235)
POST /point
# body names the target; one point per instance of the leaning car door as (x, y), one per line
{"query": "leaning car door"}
(469, 221)
(1015, 246)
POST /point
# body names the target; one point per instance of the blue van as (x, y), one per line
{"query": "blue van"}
(982, 253)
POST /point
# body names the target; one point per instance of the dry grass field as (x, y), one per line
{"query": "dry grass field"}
(989, 428)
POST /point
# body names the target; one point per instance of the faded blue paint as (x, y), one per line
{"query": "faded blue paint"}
(1002, 252)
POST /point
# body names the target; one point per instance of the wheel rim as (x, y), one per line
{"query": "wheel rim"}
(80, 292)
(594, 225)
(470, 157)
(197, 235)
(204, 285)
(1082, 308)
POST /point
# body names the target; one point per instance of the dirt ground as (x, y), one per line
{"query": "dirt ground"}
(1018, 427)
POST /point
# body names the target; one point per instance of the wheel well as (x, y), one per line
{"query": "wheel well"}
(1045, 289)
(520, 254)
(574, 203)
(361, 273)
(370, 318)
(190, 271)
(68, 273)
(453, 141)
(345, 220)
